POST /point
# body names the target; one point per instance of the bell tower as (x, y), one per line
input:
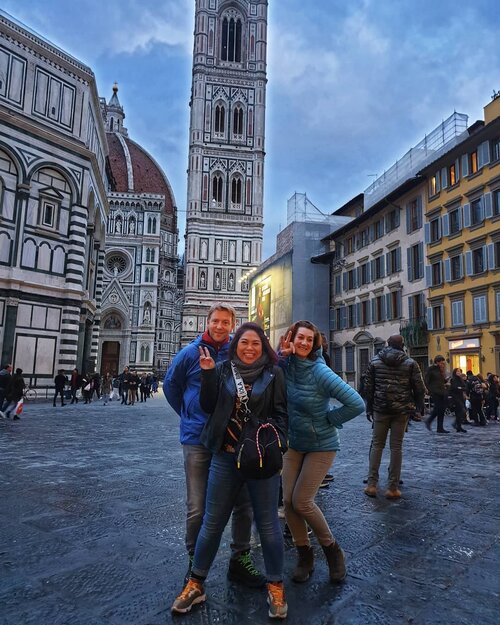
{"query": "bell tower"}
(225, 188)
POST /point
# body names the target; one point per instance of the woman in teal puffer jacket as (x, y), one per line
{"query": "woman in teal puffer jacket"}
(313, 442)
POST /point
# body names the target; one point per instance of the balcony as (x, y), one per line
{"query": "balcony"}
(414, 331)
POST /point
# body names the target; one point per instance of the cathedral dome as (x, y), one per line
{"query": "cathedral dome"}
(135, 171)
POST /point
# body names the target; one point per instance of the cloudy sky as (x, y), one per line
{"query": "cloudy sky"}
(352, 84)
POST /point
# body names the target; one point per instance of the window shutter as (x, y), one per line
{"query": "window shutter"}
(442, 315)
(460, 218)
(333, 319)
(488, 206)
(446, 225)
(358, 276)
(398, 259)
(368, 313)
(369, 272)
(428, 275)
(382, 267)
(343, 317)
(444, 178)
(372, 270)
(344, 281)
(483, 154)
(497, 296)
(491, 256)
(411, 308)
(390, 268)
(427, 233)
(430, 325)
(465, 165)
(398, 218)
(358, 314)
(468, 263)
(485, 258)
(371, 232)
(457, 170)
(388, 306)
(408, 219)
(374, 310)
(383, 309)
(420, 260)
(409, 260)
(466, 209)
(419, 211)
(438, 182)
(447, 270)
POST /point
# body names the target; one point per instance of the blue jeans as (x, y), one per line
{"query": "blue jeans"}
(197, 460)
(224, 486)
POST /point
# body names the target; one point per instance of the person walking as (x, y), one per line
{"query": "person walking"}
(133, 385)
(87, 388)
(107, 387)
(255, 367)
(475, 389)
(144, 387)
(457, 393)
(393, 390)
(5, 379)
(492, 397)
(181, 386)
(60, 382)
(435, 381)
(14, 393)
(123, 388)
(75, 384)
(314, 443)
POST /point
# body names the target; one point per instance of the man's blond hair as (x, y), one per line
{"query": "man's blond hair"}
(222, 306)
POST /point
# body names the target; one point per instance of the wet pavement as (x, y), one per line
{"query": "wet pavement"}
(92, 528)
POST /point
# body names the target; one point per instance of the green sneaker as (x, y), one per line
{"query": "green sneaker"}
(192, 594)
(242, 571)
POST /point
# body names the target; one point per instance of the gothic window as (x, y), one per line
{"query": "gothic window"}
(236, 191)
(111, 125)
(150, 255)
(231, 39)
(151, 225)
(217, 190)
(238, 122)
(220, 119)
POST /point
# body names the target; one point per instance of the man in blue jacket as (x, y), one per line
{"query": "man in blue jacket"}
(182, 389)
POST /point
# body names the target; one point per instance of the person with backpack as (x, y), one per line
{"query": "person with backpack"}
(435, 381)
(475, 389)
(393, 390)
(314, 442)
(250, 382)
(458, 390)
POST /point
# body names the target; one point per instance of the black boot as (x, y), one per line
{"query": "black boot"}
(305, 564)
(336, 562)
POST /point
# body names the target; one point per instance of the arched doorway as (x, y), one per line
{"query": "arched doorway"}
(110, 359)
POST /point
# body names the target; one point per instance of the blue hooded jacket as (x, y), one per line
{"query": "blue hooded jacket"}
(182, 385)
(312, 423)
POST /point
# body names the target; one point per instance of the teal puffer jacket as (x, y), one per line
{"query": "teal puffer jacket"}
(312, 423)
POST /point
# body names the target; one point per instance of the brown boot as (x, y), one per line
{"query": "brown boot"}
(336, 562)
(305, 564)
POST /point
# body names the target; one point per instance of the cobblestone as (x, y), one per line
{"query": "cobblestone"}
(92, 528)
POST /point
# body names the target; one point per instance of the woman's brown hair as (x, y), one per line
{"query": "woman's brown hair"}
(317, 343)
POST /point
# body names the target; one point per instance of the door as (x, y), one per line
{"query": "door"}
(110, 358)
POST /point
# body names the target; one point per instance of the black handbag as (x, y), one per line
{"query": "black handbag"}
(260, 448)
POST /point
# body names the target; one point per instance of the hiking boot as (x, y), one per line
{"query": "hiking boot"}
(371, 490)
(328, 477)
(392, 493)
(190, 566)
(336, 562)
(324, 484)
(305, 564)
(192, 593)
(242, 571)
(278, 607)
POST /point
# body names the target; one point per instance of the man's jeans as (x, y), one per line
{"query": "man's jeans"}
(382, 424)
(225, 484)
(196, 467)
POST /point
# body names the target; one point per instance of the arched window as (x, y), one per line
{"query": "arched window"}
(220, 119)
(217, 189)
(231, 40)
(238, 121)
(151, 225)
(236, 191)
(111, 125)
(150, 255)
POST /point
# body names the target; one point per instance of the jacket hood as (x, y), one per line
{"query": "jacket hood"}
(392, 357)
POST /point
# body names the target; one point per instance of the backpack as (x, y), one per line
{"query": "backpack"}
(259, 450)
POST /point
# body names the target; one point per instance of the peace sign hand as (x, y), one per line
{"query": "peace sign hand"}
(206, 361)
(286, 346)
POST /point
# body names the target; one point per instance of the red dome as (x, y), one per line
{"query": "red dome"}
(135, 171)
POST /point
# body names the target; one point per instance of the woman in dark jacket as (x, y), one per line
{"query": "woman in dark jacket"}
(264, 382)
(458, 388)
(15, 393)
(492, 397)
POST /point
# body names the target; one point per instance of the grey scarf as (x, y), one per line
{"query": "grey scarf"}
(250, 373)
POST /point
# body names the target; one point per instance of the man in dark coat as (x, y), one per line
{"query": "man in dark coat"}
(435, 380)
(60, 381)
(15, 393)
(393, 389)
(5, 378)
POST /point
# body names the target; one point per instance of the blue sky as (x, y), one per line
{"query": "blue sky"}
(352, 85)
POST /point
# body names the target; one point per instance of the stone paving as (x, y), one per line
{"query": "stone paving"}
(91, 528)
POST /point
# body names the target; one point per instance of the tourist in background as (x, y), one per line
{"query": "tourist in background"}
(458, 394)
(60, 382)
(14, 394)
(107, 387)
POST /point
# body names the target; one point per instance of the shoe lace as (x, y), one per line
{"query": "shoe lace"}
(246, 562)
(277, 594)
(191, 586)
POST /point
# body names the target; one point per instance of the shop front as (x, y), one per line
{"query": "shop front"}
(465, 354)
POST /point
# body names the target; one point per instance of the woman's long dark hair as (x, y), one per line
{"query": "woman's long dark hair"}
(317, 342)
(266, 347)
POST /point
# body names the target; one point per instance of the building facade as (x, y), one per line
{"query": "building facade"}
(141, 301)
(226, 157)
(53, 206)
(462, 238)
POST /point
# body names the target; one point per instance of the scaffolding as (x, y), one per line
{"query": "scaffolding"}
(301, 209)
(448, 134)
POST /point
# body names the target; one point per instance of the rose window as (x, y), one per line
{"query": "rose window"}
(116, 263)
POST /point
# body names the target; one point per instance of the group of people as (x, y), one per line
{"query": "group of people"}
(12, 387)
(213, 384)
(125, 386)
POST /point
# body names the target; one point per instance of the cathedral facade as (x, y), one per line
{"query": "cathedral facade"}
(141, 302)
(225, 193)
(53, 206)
